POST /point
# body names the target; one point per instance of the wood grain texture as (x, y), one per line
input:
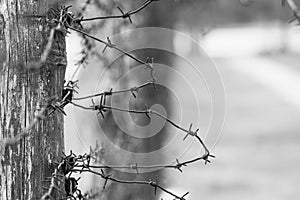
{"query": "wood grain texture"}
(27, 163)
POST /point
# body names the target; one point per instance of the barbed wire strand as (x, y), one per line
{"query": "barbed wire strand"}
(147, 112)
(132, 90)
(154, 184)
(294, 8)
(109, 44)
(123, 14)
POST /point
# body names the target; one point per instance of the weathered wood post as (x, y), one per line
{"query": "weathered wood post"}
(23, 35)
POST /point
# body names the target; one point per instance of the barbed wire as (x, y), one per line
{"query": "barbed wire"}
(189, 132)
(123, 14)
(81, 163)
(80, 19)
(152, 183)
(108, 44)
(102, 108)
(111, 92)
(294, 8)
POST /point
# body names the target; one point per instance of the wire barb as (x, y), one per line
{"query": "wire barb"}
(179, 165)
(190, 132)
(154, 185)
(100, 107)
(135, 167)
(125, 15)
(109, 44)
(294, 8)
(106, 177)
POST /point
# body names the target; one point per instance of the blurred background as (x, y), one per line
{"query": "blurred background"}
(256, 51)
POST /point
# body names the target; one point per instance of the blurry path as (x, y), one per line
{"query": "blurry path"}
(277, 77)
(257, 156)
